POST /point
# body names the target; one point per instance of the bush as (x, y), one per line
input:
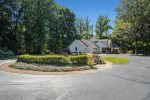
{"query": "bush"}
(53, 59)
(4, 52)
(58, 59)
(115, 51)
(97, 59)
(55, 63)
(82, 59)
(130, 52)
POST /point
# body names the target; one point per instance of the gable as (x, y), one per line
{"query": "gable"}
(77, 43)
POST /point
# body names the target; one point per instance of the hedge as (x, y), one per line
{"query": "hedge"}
(53, 59)
(57, 59)
(82, 59)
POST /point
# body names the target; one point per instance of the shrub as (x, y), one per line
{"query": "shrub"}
(130, 52)
(53, 59)
(115, 51)
(58, 59)
(4, 52)
(97, 59)
(90, 60)
(81, 59)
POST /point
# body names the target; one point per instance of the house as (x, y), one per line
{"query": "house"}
(105, 45)
(91, 46)
(82, 46)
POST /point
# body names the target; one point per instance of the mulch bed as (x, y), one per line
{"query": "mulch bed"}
(6, 68)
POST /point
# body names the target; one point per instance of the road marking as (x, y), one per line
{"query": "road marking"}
(61, 96)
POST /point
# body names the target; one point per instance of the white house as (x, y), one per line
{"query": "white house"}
(93, 46)
(83, 46)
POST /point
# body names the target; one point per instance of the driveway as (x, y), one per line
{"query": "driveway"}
(123, 82)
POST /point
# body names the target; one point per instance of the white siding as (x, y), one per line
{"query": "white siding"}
(83, 48)
(90, 50)
(80, 47)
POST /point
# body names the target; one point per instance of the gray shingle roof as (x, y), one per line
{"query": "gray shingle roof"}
(88, 43)
(102, 44)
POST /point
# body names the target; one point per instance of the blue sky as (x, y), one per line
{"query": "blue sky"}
(91, 8)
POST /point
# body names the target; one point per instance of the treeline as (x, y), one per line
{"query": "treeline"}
(36, 26)
(132, 26)
(86, 30)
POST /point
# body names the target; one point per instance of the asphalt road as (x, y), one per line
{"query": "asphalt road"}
(123, 82)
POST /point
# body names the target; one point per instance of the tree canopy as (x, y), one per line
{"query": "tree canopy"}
(35, 26)
(102, 26)
(132, 27)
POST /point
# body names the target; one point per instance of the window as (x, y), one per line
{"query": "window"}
(76, 48)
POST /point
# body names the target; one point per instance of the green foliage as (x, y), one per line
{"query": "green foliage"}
(58, 59)
(82, 59)
(116, 60)
(6, 36)
(84, 29)
(54, 63)
(62, 30)
(102, 26)
(37, 26)
(52, 59)
(79, 28)
(132, 25)
(86, 32)
(37, 15)
(4, 52)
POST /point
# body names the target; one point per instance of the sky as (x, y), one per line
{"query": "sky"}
(91, 8)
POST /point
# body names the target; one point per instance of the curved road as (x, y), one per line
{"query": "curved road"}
(123, 82)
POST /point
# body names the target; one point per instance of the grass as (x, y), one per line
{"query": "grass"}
(116, 60)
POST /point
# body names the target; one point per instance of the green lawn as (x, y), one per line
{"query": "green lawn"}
(116, 60)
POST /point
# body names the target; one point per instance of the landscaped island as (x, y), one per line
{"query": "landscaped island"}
(60, 63)
(56, 63)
